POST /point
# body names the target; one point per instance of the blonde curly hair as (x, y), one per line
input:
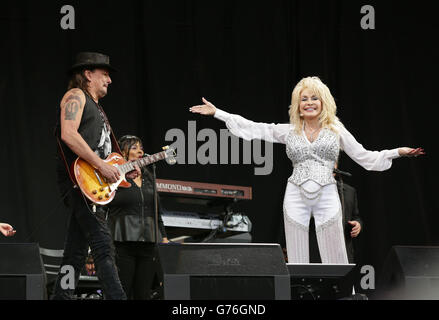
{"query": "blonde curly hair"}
(327, 117)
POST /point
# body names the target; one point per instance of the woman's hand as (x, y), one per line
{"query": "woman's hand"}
(206, 109)
(410, 152)
(134, 173)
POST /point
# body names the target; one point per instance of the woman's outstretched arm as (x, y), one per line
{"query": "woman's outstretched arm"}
(373, 160)
(243, 128)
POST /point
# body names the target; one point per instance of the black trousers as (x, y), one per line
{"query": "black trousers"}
(138, 268)
(89, 229)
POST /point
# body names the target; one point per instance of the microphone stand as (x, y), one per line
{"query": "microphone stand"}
(155, 222)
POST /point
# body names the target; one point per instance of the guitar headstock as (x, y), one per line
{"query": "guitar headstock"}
(170, 155)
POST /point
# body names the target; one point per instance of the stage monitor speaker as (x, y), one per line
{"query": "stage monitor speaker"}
(410, 272)
(211, 271)
(22, 274)
(317, 281)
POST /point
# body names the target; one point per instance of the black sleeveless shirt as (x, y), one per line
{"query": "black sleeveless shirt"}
(92, 123)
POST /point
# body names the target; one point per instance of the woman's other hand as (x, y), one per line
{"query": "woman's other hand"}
(410, 152)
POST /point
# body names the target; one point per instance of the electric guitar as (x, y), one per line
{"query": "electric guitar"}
(97, 189)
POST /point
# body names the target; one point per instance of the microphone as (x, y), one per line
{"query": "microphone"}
(343, 173)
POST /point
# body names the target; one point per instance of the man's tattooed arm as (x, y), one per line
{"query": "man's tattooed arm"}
(72, 105)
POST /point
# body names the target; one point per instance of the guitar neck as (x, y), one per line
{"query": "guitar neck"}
(129, 166)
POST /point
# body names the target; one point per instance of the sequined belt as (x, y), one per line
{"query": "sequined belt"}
(310, 190)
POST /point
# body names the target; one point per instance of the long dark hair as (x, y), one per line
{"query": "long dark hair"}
(126, 142)
(79, 80)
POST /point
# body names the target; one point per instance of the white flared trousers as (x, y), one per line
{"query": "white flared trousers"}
(325, 207)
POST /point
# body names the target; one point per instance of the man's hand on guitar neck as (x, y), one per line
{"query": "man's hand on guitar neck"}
(135, 173)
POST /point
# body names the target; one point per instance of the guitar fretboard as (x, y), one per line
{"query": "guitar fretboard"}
(129, 166)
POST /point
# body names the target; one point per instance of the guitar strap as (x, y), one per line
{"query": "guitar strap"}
(61, 152)
(113, 138)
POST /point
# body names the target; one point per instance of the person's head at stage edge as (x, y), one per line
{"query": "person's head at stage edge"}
(131, 147)
(91, 74)
(312, 101)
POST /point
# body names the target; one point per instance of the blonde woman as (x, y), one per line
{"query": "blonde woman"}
(313, 139)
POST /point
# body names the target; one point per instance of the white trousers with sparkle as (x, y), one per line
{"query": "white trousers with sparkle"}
(325, 207)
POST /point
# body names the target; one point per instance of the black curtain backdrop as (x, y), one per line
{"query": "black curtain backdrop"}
(245, 57)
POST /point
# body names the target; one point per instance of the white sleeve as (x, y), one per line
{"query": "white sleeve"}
(369, 160)
(248, 130)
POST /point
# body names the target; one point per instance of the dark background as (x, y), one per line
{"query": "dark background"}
(246, 57)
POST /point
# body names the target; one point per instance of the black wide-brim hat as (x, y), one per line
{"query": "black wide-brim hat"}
(88, 60)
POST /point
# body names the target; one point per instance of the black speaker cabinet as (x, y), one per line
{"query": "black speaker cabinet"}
(211, 271)
(410, 272)
(21, 272)
(317, 281)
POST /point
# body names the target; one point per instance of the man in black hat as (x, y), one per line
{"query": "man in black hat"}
(84, 132)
